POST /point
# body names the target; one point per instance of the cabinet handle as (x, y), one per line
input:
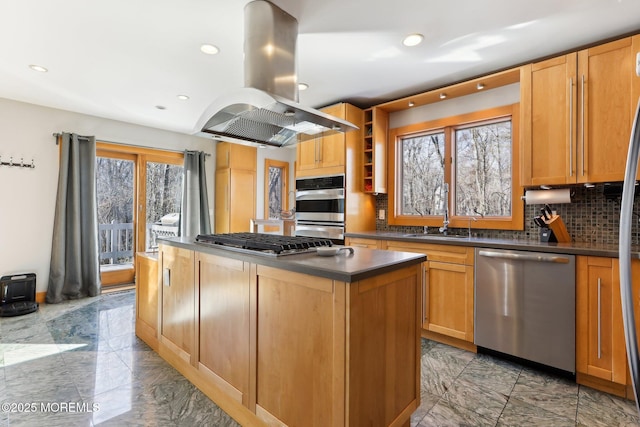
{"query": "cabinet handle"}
(571, 126)
(425, 274)
(226, 196)
(166, 277)
(582, 121)
(599, 315)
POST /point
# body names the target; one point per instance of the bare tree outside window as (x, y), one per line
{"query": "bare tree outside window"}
(483, 169)
(422, 174)
(275, 192)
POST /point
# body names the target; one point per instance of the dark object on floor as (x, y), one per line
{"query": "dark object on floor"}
(18, 295)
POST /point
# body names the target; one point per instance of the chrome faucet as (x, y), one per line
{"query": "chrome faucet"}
(471, 218)
(445, 222)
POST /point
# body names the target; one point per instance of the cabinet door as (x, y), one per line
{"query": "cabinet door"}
(600, 347)
(222, 199)
(147, 299)
(236, 156)
(242, 199)
(548, 92)
(307, 155)
(332, 148)
(449, 300)
(178, 301)
(606, 87)
(224, 333)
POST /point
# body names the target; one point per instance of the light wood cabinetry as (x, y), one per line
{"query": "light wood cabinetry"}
(337, 326)
(147, 311)
(276, 347)
(178, 293)
(600, 347)
(224, 350)
(326, 155)
(601, 360)
(374, 153)
(235, 195)
(577, 111)
(448, 291)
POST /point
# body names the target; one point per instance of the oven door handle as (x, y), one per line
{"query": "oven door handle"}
(320, 194)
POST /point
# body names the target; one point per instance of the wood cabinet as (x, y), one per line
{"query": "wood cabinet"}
(374, 152)
(600, 346)
(147, 310)
(448, 291)
(224, 350)
(326, 154)
(601, 360)
(235, 187)
(237, 331)
(338, 327)
(178, 294)
(577, 113)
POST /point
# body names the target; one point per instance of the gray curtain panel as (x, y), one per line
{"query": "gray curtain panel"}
(194, 215)
(75, 271)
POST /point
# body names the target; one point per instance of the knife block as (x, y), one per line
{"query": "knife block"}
(547, 236)
(556, 225)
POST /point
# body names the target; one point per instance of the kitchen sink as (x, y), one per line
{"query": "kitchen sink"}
(436, 236)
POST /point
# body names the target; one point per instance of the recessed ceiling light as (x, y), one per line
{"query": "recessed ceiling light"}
(183, 97)
(303, 86)
(38, 68)
(443, 95)
(161, 107)
(209, 49)
(413, 39)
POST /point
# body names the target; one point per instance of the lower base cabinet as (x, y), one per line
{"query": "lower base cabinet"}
(147, 297)
(280, 348)
(601, 357)
(448, 291)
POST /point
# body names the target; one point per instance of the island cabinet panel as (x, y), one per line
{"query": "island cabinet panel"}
(178, 301)
(382, 326)
(447, 292)
(224, 332)
(300, 336)
(147, 298)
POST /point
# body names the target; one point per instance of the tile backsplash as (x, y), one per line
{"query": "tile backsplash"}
(590, 217)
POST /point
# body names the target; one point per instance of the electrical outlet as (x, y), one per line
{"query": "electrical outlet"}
(381, 214)
(638, 64)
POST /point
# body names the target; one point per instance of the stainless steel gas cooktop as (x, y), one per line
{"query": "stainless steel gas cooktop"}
(263, 244)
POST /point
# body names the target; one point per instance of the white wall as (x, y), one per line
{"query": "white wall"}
(27, 196)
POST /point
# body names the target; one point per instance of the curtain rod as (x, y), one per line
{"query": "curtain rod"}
(57, 134)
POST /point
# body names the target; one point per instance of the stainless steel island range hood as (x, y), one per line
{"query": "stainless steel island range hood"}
(266, 111)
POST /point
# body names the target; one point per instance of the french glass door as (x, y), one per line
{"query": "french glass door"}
(139, 194)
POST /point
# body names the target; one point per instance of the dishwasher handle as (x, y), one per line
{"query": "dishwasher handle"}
(524, 256)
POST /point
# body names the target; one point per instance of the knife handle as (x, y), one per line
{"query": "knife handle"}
(544, 213)
(548, 209)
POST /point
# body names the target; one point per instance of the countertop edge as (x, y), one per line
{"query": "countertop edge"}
(304, 263)
(586, 249)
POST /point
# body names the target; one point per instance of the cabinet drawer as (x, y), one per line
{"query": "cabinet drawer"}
(443, 253)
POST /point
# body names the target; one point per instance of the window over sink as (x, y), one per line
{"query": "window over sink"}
(476, 154)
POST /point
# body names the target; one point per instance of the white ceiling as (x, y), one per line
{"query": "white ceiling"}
(119, 59)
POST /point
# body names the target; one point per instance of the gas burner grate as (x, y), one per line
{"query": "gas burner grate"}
(264, 242)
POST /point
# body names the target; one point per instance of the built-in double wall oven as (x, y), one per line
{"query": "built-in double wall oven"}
(320, 207)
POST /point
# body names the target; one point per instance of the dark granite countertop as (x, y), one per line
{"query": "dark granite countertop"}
(362, 264)
(575, 248)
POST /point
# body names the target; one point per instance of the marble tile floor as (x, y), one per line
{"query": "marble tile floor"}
(79, 364)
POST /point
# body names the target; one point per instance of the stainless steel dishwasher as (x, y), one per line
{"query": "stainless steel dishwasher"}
(525, 305)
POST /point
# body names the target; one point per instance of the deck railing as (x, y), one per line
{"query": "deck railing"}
(116, 241)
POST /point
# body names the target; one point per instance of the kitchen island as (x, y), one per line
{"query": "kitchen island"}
(298, 339)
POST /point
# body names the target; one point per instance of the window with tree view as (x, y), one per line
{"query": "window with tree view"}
(483, 169)
(475, 154)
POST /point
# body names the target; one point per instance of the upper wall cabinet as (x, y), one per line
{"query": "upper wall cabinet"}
(577, 113)
(326, 155)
